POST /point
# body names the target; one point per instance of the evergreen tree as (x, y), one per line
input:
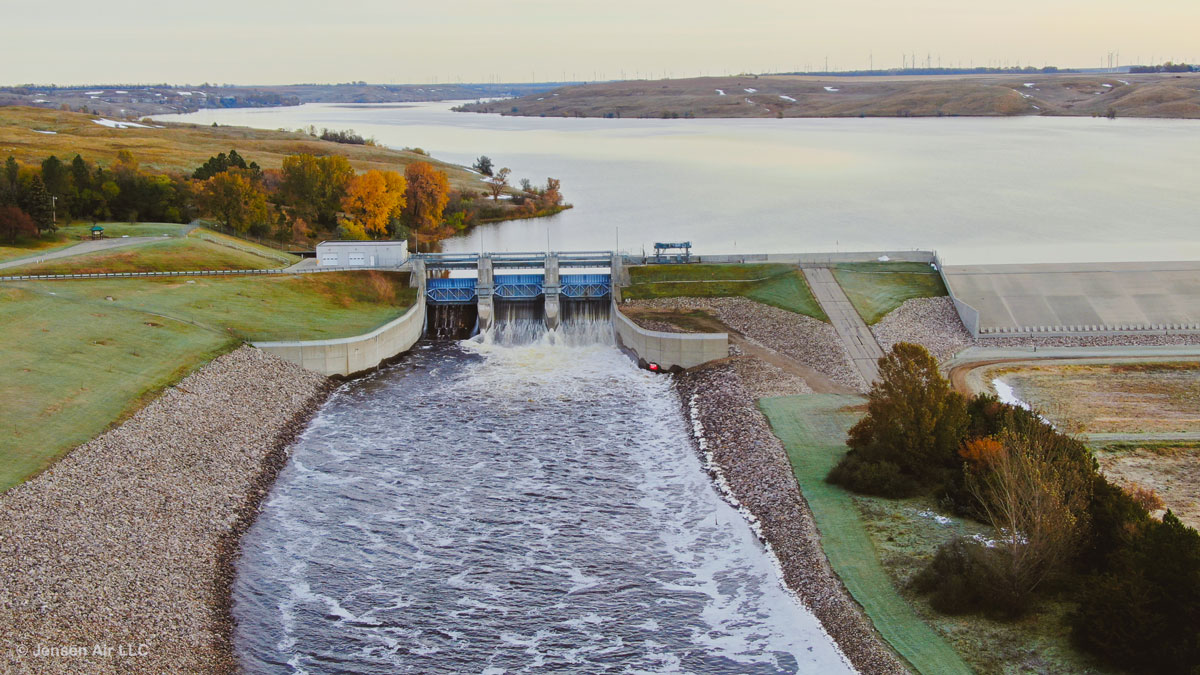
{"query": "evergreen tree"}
(38, 205)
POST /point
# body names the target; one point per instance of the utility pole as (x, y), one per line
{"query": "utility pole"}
(53, 210)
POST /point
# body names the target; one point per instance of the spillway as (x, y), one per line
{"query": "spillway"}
(523, 501)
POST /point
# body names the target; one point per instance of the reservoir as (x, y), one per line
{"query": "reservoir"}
(534, 506)
(978, 190)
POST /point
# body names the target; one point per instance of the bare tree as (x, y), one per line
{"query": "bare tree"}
(1034, 489)
(498, 182)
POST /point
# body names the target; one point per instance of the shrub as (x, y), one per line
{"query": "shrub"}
(1144, 612)
(967, 577)
(881, 478)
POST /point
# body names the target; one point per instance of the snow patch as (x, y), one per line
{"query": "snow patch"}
(831, 89)
(751, 91)
(1107, 85)
(883, 258)
(118, 91)
(1123, 82)
(1029, 85)
(39, 100)
(720, 92)
(939, 518)
(40, 131)
(93, 93)
(787, 98)
(113, 124)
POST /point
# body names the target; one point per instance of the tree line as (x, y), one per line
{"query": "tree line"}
(307, 196)
(1062, 529)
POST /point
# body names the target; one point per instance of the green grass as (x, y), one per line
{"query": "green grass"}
(781, 286)
(878, 288)
(70, 370)
(168, 255)
(69, 235)
(83, 230)
(906, 538)
(813, 429)
(244, 245)
(75, 362)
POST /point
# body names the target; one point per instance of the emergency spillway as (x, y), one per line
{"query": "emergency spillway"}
(485, 506)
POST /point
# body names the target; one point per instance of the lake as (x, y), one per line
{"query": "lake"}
(978, 190)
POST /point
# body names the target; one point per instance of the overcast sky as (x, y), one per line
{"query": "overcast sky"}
(404, 41)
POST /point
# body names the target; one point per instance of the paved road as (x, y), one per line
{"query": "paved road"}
(857, 338)
(90, 246)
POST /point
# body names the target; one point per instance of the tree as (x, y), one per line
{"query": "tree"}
(373, 199)
(552, 196)
(315, 186)
(909, 438)
(55, 176)
(234, 200)
(1143, 614)
(16, 223)
(428, 192)
(12, 171)
(38, 205)
(1034, 489)
(483, 165)
(498, 182)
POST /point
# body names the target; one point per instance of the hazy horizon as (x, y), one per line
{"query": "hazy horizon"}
(538, 40)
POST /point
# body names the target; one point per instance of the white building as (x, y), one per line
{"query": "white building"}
(362, 253)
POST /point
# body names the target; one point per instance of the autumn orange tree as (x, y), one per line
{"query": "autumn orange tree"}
(428, 192)
(374, 199)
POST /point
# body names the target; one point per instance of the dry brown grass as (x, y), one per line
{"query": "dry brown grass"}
(180, 148)
(1146, 397)
(1159, 477)
(918, 96)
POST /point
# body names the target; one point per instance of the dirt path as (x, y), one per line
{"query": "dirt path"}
(704, 323)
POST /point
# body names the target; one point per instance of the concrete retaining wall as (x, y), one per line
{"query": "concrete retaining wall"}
(669, 349)
(347, 356)
(966, 313)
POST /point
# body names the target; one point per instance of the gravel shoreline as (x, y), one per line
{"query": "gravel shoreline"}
(119, 558)
(750, 462)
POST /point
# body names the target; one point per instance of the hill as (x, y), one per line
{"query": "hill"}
(1147, 95)
(31, 134)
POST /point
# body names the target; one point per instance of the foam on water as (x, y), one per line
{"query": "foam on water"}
(511, 503)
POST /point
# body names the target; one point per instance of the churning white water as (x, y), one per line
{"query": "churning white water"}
(527, 504)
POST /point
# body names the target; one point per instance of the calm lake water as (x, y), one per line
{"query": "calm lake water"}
(1028, 189)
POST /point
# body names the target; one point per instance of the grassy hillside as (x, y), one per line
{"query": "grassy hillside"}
(75, 362)
(183, 147)
(169, 255)
(877, 288)
(1154, 95)
(781, 286)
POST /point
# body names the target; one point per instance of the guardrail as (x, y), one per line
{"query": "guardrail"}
(188, 273)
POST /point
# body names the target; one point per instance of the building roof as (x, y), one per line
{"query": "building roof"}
(364, 242)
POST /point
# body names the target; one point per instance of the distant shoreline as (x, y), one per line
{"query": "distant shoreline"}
(1157, 95)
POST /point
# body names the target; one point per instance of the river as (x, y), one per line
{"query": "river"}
(503, 508)
(978, 190)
